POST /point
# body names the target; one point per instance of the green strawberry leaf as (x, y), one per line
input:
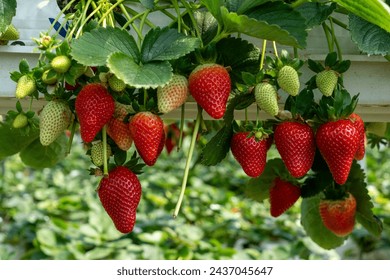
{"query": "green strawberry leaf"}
(24, 66)
(258, 188)
(149, 75)
(218, 146)
(374, 11)
(316, 183)
(303, 104)
(273, 21)
(315, 13)
(166, 44)
(370, 38)
(149, 4)
(315, 229)
(240, 55)
(7, 12)
(13, 140)
(331, 59)
(342, 66)
(207, 25)
(37, 156)
(214, 7)
(93, 48)
(358, 188)
(315, 66)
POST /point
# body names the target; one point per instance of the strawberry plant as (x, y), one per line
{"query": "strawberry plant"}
(115, 74)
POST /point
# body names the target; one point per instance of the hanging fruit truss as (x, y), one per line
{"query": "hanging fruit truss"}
(114, 74)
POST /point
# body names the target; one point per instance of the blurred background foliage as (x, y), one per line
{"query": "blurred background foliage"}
(56, 214)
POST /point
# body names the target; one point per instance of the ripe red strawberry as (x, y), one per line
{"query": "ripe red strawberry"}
(250, 153)
(210, 86)
(339, 215)
(53, 120)
(120, 194)
(173, 94)
(120, 133)
(172, 135)
(94, 107)
(359, 124)
(338, 142)
(282, 196)
(296, 145)
(147, 131)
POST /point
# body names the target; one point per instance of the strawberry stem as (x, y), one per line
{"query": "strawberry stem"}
(105, 165)
(181, 127)
(72, 132)
(263, 49)
(188, 161)
(275, 49)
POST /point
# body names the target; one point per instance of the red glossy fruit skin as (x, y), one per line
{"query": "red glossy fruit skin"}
(210, 86)
(250, 154)
(283, 195)
(94, 107)
(359, 125)
(120, 194)
(147, 131)
(120, 133)
(296, 145)
(338, 142)
(339, 215)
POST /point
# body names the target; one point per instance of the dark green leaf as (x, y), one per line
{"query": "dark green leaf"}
(315, 13)
(240, 55)
(258, 188)
(370, 38)
(374, 11)
(14, 140)
(312, 223)
(24, 67)
(120, 157)
(7, 12)
(214, 7)
(247, 5)
(93, 48)
(275, 21)
(37, 156)
(342, 66)
(19, 106)
(166, 44)
(218, 147)
(149, 75)
(207, 24)
(148, 4)
(331, 59)
(316, 183)
(315, 66)
(358, 188)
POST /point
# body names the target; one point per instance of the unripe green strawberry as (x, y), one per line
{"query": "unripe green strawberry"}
(61, 63)
(10, 34)
(173, 94)
(26, 86)
(288, 80)
(267, 98)
(326, 81)
(20, 121)
(49, 77)
(53, 120)
(116, 84)
(377, 128)
(97, 153)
